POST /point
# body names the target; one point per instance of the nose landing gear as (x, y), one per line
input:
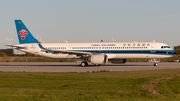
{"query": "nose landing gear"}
(155, 61)
(155, 64)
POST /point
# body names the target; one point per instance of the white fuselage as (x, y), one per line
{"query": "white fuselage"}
(113, 50)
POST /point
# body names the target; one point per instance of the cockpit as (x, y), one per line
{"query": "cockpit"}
(164, 47)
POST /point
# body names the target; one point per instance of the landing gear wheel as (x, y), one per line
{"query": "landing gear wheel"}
(155, 64)
(84, 64)
(97, 65)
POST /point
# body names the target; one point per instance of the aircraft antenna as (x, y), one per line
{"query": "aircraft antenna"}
(112, 39)
(65, 41)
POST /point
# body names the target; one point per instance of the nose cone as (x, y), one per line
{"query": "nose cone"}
(174, 52)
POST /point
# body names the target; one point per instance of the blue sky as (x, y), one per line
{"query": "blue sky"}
(93, 20)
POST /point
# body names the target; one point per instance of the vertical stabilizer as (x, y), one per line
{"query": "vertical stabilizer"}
(24, 35)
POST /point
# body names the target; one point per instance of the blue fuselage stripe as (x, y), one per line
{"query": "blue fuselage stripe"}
(153, 52)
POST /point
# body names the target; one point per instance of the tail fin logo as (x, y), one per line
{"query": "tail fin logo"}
(23, 34)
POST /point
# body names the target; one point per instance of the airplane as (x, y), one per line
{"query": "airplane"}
(98, 53)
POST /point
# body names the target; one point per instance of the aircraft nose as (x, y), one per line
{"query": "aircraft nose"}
(174, 52)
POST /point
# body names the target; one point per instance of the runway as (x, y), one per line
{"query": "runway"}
(75, 67)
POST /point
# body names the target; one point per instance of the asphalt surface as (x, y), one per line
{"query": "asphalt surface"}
(75, 67)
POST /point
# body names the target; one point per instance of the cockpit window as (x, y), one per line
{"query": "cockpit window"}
(165, 47)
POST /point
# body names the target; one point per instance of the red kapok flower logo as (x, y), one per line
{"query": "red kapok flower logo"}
(23, 34)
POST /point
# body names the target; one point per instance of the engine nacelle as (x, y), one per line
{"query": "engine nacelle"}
(98, 59)
(117, 61)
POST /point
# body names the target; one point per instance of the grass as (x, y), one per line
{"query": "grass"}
(32, 59)
(170, 87)
(97, 86)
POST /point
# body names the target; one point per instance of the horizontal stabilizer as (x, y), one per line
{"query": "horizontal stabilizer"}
(19, 47)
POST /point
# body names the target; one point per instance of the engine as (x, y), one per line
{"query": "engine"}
(98, 59)
(117, 61)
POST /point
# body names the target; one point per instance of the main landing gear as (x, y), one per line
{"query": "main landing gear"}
(84, 64)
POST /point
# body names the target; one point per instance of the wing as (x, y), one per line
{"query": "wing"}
(63, 51)
(67, 52)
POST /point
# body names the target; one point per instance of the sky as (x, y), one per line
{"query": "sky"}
(92, 20)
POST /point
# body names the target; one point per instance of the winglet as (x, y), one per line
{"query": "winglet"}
(40, 46)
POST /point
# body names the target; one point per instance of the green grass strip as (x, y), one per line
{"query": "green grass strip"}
(97, 86)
